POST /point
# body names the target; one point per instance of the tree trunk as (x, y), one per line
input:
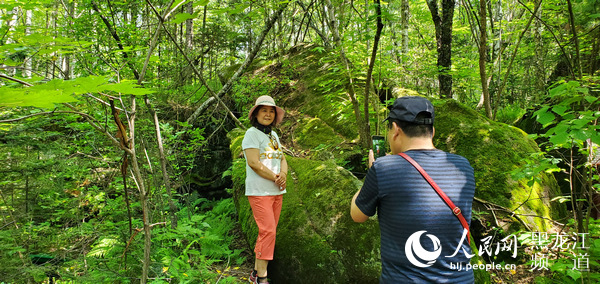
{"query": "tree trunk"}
(404, 22)
(540, 54)
(370, 71)
(163, 160)
(483, 58)
(163, 164)
(187, 74)
(189, 25)
(144, 194)
(575, 39)
(28, 61)
(512, 59)
(363, 132)
(443, 35)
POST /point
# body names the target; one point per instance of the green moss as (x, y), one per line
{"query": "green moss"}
(236, 136)
(494, 150)
(314, 133)
(317, 242)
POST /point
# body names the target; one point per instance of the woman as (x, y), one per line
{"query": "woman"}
(266, 175)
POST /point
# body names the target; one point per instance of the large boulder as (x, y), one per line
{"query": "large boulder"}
(495, 150)
(317, 241)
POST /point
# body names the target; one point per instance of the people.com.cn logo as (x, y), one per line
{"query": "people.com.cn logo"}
(416, 253)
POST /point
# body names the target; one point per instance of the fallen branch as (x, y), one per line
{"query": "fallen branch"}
(502, 208)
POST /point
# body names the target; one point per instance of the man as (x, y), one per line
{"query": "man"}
(408, 207)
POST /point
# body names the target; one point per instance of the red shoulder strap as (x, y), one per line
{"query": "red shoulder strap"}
(441, 193)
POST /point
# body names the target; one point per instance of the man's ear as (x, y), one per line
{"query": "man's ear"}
(432, 132)
(396, 130)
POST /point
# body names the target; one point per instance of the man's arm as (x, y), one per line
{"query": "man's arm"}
(357, 215)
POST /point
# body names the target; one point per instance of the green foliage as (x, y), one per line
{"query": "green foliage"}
(201, 240)
(571, 122)
(248, 88)
(189, 141)
(509, 114)
(47, 95)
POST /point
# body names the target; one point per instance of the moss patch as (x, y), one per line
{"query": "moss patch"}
(317, 241)
(494, 150)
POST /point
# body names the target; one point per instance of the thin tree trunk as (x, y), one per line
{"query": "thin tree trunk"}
(364, 134)
(188, 74)
(575, 39)
(144, 194)
(28, 62)
(189, 25)
(512, 59)
(483, 58)
(163, 164)
(404, 23)
(163, 160)
(540, 70)
(370, 71)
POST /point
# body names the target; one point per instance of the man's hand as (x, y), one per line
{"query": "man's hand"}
(371, 158)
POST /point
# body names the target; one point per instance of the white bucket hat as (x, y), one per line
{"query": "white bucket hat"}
(267, 101)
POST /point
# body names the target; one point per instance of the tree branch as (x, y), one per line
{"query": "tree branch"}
(114, 34)
(502, 208)
(562, 49)
(15, 80)
(241, 69)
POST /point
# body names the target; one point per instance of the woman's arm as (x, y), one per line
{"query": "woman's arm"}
(252, 157)
(281, 180)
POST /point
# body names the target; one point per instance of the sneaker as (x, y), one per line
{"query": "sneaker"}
(261, 282)
(253, 278)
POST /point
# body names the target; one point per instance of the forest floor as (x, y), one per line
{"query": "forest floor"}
(242, 271)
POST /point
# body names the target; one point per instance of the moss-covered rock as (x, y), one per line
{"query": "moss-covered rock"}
(317, 241)
(315, 132)
(494, 150)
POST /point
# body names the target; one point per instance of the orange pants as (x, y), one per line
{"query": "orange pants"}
(266, 210)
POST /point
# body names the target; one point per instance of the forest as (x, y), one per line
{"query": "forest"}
(120, 121)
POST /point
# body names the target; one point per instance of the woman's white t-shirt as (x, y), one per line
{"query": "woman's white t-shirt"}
(269, 155)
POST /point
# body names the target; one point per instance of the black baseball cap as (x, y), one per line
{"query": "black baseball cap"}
(407, 109)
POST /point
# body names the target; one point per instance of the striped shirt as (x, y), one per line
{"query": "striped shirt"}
(406, 205)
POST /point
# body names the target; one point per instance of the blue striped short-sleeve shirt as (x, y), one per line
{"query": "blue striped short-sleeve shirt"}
(406, 205)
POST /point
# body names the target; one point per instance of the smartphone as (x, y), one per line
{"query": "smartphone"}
(378, 146)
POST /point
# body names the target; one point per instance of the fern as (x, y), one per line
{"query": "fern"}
(103, 247)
